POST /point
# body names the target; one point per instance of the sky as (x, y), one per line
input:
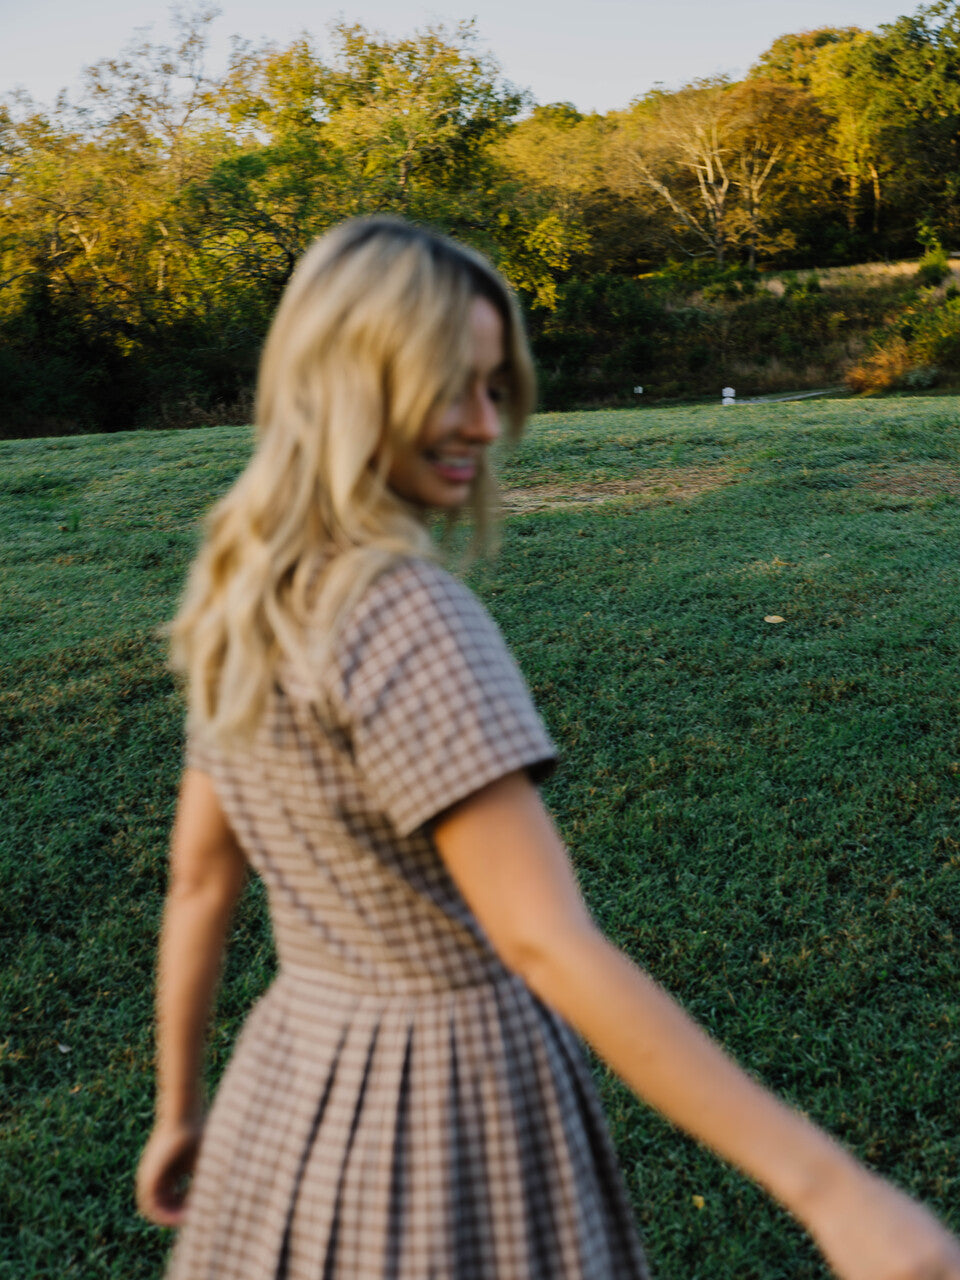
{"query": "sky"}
(597, 54)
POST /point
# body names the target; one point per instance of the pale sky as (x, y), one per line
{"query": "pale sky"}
(597, 54)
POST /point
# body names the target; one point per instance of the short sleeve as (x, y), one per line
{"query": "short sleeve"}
(433, 702)
(199, 752)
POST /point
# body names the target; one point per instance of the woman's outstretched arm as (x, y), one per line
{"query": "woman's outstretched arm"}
(207, 871)
(505, 855)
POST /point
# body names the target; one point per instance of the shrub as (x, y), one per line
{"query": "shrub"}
(934, 334)
(720, 289)
(883, 369)
(934, 265)
(922, 378)
(914, 351)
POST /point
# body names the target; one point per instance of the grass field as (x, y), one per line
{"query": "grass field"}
(764, 814)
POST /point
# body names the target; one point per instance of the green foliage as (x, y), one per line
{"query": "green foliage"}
(764, 816)
(935, 336)
(599, 341)
(145, 238)
(793, 57)
(921, 378)
(934, 266)
(917, 350)
(794, 286)
(695, 327)
(147, 230)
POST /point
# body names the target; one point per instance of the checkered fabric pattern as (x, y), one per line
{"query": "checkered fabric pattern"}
(398, 1106)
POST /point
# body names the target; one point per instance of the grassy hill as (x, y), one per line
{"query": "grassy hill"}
(765, 814)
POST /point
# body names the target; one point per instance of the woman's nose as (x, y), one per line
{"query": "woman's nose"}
(483, 419)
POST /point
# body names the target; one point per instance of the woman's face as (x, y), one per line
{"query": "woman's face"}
(439, 469)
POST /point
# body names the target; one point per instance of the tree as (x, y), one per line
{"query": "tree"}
(403, 126)
(553, 166)
(770, 122)
(908, 78)
(277, 181)
(415, 115)
(105, 272)
(849, 98)
(791, 58)
(709, 151)
(157, 219)
(891, 99)
(97, 183)
(677, 145)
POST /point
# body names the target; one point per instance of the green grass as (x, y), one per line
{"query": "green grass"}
(766, 816)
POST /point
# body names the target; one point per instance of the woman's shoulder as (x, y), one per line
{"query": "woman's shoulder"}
(417, 617)
(412, 593)
(429, 695)
(418, 575)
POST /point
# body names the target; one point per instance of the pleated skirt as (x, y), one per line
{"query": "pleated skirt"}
(446, 1135)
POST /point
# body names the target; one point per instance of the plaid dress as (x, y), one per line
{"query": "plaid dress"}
(399, 1106)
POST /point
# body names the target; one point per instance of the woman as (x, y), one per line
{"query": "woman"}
(407, 1100)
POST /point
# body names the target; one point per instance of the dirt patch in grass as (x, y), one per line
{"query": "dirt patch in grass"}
(918, 481)
(659, 485)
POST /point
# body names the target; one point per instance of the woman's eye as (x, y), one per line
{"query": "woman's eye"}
(496, 395)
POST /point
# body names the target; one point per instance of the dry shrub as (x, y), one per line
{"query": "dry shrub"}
(819, 373)
(760, 378)
(754, 377)
(191, 412)
(883, 369)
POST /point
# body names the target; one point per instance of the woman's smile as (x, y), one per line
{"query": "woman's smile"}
(457, 468)
(439, 470)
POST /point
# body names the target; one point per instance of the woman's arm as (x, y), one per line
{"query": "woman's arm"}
(207, 871)
(505, 855)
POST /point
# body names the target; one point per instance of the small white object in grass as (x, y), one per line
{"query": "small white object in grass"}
(64, 1048)
(638, 391)
(728, 396)
(773, 617)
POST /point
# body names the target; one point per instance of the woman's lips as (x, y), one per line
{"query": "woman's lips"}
(456, 472)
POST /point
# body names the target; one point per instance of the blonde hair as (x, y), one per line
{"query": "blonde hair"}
(370, 337)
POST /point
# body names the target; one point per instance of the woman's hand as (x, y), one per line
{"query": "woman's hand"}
(868, 1230)
(507, 859)
(166, 1163)
(207, 870)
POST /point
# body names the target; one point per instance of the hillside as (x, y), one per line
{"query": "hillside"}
(762, 812)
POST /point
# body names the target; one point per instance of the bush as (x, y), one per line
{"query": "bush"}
(713, 283)
(609, 334)
(914, 351)
(603, 338)
(719, 290)
(934, 266)
(883, 370)
(922, 378)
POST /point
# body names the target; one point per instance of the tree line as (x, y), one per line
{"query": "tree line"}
(148, 226)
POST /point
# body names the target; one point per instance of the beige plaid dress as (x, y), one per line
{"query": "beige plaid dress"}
(399, 1106)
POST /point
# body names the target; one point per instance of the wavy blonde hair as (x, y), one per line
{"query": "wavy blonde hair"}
(370, 338)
